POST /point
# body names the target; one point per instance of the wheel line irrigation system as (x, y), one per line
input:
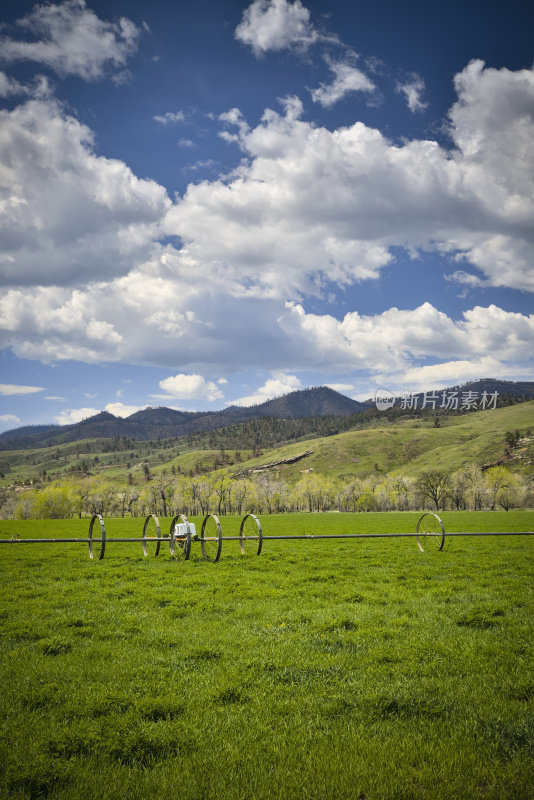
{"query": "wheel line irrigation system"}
(429, 532)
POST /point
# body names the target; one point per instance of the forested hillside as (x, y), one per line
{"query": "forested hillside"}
(319, 410)
(164, 423)
(480, 458)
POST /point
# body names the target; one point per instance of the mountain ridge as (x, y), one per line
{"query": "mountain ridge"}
(162, 422)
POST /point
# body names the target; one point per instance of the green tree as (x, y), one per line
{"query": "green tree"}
(200, 489)
(162, 490)
(497, 479)
(24, 507)
(504, 487)
(512, 438)
(434, 485)
(100, 495)
(401, 489)
(4, 494)
(475, 486)
(242, 491)
(222, 486)
(367, 501)
(458, 490)
(54, 502)
(317, 491)
(348, 495)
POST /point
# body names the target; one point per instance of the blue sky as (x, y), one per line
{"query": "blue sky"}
(218, 202)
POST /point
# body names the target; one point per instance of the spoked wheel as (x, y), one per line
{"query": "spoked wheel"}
(102, 534)
(148, 533)
(180, 542)
(430, 532)
(250, 533)
(211, 538)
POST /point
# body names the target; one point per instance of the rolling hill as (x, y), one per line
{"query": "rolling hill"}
(412, 444)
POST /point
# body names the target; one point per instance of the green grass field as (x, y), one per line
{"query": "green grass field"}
(359, 669)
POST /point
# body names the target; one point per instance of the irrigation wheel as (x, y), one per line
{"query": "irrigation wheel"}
(151, 517)
(180, 542)
(211, 538)
(430, 530)
(250, 531)
(102, 535)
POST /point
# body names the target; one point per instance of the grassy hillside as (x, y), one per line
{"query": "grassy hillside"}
(413, 445)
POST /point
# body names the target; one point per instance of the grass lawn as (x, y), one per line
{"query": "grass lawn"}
(359, 669)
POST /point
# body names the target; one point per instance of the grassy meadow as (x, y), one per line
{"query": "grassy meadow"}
(339, 669)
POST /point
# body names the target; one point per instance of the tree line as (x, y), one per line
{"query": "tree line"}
(223, 493)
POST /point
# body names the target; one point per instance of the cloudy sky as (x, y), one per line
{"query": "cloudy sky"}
(218, 202)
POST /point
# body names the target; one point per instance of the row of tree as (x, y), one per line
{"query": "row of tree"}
(222, 493)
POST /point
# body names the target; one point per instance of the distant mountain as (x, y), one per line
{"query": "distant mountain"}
(27, 435)
(318, 402)
(165, 423)
(162, 416)
(151, 424)
(523, 390)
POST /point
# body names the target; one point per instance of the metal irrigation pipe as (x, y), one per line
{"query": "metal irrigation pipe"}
(167, 538)
(160, 539)
(490, 533)
(373, 535)
(182, 533)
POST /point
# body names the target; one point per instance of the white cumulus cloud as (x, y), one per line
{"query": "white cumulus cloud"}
(347, 80)
(9, 86)
(450, 373)
(276, 25)
(189, 387)
(87, 279)
(413, 91)
(279, 384)
(9, 419)
(39, 87)
(122, 410)
(72, 415)
(341, 387)
(392, 342)
(170, 117)
(72, 40)
(67, 215)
